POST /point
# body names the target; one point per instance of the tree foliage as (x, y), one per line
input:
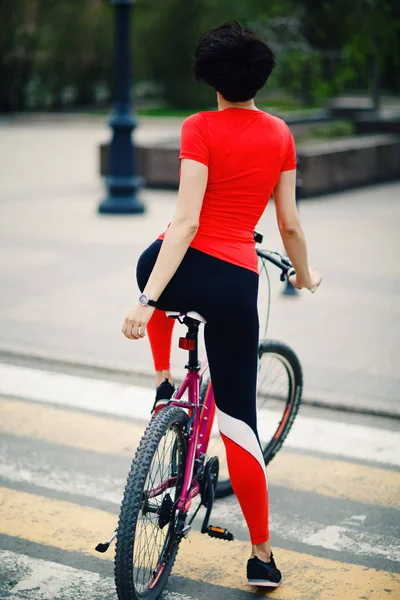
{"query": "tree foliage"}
(57, 52)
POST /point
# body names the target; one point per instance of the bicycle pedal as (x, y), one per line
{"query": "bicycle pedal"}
(219, 533)
(102, 547)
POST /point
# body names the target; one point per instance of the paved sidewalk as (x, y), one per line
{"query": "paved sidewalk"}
(67, 274)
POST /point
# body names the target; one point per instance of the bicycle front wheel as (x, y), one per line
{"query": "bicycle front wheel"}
(279, 389)
(147, 539)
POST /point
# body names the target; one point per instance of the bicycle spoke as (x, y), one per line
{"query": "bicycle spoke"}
(150, 540)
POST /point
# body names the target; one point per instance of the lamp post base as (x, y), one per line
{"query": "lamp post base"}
(289, 290)
(122, 196)
(114, 205)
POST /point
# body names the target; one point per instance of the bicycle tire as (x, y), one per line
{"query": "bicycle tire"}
(126, 580)
(291, 404)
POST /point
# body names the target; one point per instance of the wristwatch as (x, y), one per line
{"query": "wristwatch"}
(145, 300)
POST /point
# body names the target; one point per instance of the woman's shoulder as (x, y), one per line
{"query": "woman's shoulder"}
(196, 118)
(195, 121)
(277, 121)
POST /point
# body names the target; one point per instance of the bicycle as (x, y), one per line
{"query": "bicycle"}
(169, 470)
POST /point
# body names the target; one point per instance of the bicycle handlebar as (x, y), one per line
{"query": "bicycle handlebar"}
(282, 262)
(279, 261)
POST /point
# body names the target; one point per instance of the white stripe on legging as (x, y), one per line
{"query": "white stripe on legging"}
(242, 434)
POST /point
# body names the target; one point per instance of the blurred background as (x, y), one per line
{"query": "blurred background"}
(58, 55)
(93, 94)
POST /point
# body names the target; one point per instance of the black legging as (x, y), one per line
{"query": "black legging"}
(226, 296)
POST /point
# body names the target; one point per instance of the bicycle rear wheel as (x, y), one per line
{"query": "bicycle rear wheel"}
(147, 537)
(279, 389)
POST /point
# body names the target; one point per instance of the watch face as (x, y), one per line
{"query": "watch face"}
(144, 299)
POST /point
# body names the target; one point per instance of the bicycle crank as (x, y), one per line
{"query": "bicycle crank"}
(208, 487)
(104, 547)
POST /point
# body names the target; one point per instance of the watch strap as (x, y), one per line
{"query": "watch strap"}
(146, 301)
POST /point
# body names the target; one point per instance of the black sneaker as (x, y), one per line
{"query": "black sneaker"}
(163, 394)
(262, 573)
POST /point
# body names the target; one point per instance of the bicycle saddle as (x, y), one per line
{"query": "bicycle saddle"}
(192, 314)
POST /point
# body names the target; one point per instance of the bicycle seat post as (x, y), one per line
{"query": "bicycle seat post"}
(190, 343)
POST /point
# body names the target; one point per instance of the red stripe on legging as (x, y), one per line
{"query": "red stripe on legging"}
(250, 486)
(159, 330)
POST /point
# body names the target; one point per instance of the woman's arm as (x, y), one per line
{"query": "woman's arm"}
(183, 228)
(292, 232)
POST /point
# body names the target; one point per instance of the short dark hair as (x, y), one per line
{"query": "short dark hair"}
(234, 60)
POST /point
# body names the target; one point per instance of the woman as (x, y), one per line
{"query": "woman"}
(232, 160)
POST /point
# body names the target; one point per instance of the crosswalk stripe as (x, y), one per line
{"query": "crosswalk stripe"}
(77, 529)
(332, 478)
(99, 483)
(347, 535)
(336, 479)
(308, 433)
(69, 428)
(109, 397)
(46, 580)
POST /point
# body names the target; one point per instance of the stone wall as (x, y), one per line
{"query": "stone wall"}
(348, 162)
(324, 167)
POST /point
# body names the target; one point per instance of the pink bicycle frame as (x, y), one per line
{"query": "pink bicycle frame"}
(201, 427)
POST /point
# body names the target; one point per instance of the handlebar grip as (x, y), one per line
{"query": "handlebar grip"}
(291, 272)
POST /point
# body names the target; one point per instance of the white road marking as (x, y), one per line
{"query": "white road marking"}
(345, 439)
(39, 579)
(351, 535)
(78, 392)
(308, 433)
(342, 537)
(72, 482)
(336, 537)
(42, 580)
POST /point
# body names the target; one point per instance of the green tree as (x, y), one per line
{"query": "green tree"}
(168, 40)
(169, 30)
(57, 45)
(74, 49)
(17, 46)
(365, 33)
(60, 47)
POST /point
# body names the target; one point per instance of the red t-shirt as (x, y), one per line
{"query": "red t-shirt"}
(245, 152)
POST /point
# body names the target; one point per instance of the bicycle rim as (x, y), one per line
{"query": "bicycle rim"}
(279, 390)
(147, 540)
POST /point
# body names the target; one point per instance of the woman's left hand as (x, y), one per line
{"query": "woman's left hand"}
(135, 323)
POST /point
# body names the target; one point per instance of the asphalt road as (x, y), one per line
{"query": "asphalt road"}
(66, 444)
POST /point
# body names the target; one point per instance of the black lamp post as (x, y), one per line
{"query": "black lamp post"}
(122, 181)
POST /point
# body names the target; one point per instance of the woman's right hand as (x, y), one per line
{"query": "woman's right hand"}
(312, 283)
